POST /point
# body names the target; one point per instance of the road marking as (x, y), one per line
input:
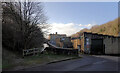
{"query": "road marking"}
(100, 62)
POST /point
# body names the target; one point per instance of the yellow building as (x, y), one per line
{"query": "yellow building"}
(76, 42)
(52, 37)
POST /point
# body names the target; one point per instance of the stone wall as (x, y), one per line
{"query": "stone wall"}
(111, 45)
(119, 45)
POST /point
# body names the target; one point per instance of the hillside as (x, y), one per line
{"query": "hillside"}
(109, 28)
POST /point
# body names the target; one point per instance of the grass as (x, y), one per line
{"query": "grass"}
(12, 61)
(44, 58)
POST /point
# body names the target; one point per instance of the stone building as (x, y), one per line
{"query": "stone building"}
(52, 37)
(76, 42)
(93, 43)
(64, 42)
(60, 40)
(112, 45)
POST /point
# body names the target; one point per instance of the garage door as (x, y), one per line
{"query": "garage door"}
(97, 46)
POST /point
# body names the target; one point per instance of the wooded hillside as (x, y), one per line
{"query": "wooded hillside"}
(109, 28)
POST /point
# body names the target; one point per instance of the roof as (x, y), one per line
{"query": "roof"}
(101, 34)
(58, 34)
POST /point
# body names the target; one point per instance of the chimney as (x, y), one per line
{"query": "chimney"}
(56, 32)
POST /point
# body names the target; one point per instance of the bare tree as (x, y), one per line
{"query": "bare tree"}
(33, 15)
(29, 20)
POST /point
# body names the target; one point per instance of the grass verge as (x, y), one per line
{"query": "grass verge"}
(12, 62)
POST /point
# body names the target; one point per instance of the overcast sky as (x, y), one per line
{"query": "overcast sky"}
(70, 17)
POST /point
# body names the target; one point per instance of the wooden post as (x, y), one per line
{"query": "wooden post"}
(23, 53)
(34, 51)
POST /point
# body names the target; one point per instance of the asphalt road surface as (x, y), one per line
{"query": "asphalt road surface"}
(87, 63)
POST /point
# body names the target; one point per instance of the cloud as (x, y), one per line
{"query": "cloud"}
(86, 26)
(69, 28)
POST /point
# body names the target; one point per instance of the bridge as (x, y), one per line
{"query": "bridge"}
(59, 50)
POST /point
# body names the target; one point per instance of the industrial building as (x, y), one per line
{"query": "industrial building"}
(93, 43)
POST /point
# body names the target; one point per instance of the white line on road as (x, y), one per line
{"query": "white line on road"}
(100, 62)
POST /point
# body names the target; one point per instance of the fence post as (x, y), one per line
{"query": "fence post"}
(34, 51)
(23, 53)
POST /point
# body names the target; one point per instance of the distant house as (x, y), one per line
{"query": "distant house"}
(66, 42)
(53, 37)
(60, 40)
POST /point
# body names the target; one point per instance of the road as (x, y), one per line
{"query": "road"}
(87, 63)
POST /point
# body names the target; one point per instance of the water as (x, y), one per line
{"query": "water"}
(44, 46)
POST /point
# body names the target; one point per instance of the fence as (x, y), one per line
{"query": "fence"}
(33, 51)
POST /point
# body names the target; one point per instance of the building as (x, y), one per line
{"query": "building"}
(60, 40)
(119, 34)
(52, 37)
(66, 41)
(93, 43)
(76, 42)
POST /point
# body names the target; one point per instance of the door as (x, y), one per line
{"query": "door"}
(97, 46)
